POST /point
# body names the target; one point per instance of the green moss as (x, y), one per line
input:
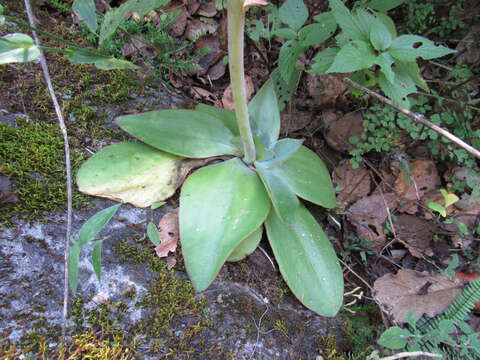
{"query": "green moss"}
(31, 155)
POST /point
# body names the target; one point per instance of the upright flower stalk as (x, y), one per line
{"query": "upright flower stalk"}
(236, 27)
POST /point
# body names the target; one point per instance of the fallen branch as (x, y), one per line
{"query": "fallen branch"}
(413, 353)
(416, 117)
(63, 129)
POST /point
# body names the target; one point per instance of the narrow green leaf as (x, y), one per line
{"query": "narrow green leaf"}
(356, 55)
(153, 233)
(294, 13)
(282, 196)
(97, 258)
(247, 246)
(130, 172)
(380, 36)
(220, 205)
(394, 338)
(265, 114)
(113, 64)
(347, 21)
(409, 47)
(307, 261)
(2, 18)
(73, 260)
(324, 60)
(157, 205)
(227, 117)
(306, 174)
(95, 224)
(188, 133)
(17, 48)
(91, 56)
(86, 11)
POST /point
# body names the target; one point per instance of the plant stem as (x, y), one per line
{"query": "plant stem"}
(236, 27)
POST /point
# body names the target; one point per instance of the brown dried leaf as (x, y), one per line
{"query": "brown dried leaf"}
(213, 56)
(207, 9)
(295, 120)
(135, 45)
(217, 71)
(227, 99)
(196, 29)
(416, 234)
(421, 178)
(7, 194)
(169, 233)
(339, 132)
(416, 292)
(325, 89)
(369, 214)
(355, 183)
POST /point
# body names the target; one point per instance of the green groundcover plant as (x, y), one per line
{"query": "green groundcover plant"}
(224, 207)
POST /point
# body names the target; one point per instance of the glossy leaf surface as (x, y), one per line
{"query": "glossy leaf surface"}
(17, 48)
(187, 133)
(265, 114)
(220, 205)
(308, 177)
(247, 246)
(307, 261)
(131, 173)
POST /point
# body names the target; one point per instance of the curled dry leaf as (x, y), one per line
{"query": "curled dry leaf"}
(325, 89)
(339, 132)
(189, 165)
(207, 9)
(227, 99)
(369, 214)
(416, 234)
(421, 178)
(416, 292)
(196, 28)
(355, 184)
(169, 233)
(212, 44)
(179, 10)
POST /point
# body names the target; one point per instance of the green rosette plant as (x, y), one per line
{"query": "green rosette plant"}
(225, 207)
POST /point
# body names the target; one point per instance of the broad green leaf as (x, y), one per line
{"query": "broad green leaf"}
(284, 89)
(157, 204)
(97, 258)
(294, 13)
(384, 6)
(365, 21)
(399, 90)
(131, 173)
(388, 22)
(438, 208)
(73, 260)
(347, 22)
(227, 117)
(324, 60)
(114, 18)
(413, 71)
(247, 246)
(220, 205)
(281, 152)
(394, 338)
(265, 114)
(153, 233)
(95, 224)
(86, 11)
(281, 194)
(356, 55)
(286, 33)
(409, 47)
(385, 61)
(187, 133)
(318, 32)
(90, 56)
(380, 36)
(307, 261)
(308, 177)
(2, 18)
(287, 58)
(17, 48)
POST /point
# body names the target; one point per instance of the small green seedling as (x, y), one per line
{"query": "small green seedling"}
(448, 198)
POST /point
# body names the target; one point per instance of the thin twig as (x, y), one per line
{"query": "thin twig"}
(416, 117)
(412, 353)
(63, 129)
